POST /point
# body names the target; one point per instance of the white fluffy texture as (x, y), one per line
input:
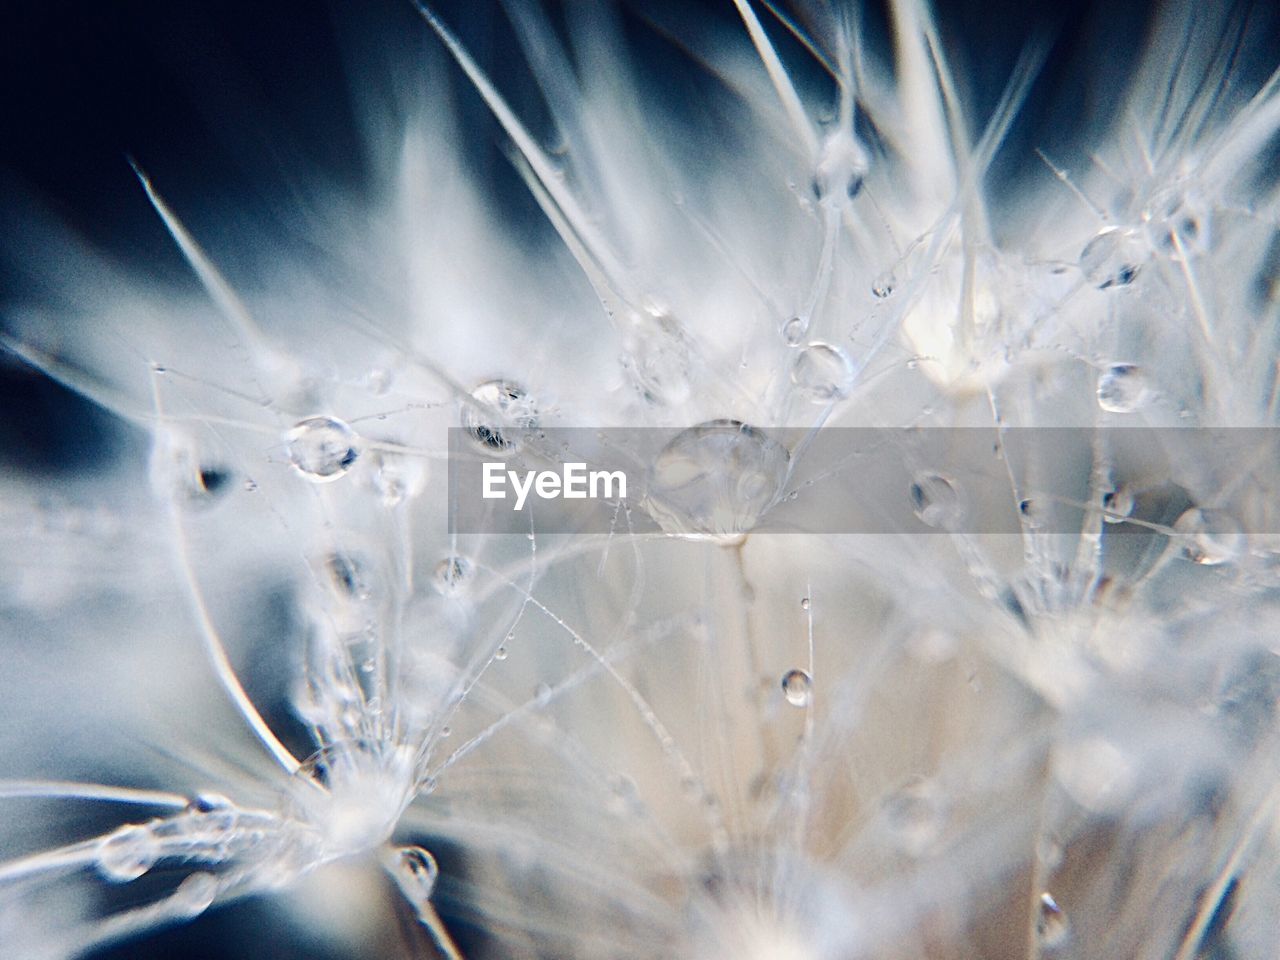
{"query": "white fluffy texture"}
(596, 724)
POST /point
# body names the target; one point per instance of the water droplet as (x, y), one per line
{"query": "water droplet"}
(822, 373)
(209, 802)
(348, 576)
(127, 853)
(797, 686)
(194, 895)
(716, 480)
(1122, 388)
(935, 500)
(656, 355)
(416, 874)
(250, 486)
(914, 816)
(804, 603)
(379, 381)
(452, 573)
(1210, 537)
(841, 167)
(1111, 259)
(321, 449)
(1094, 773)
(503, 413)
(1051, 923)
(882, 287)
(794, 330)
(1034, 513)
(180, 471)
(1176, 221)
(500, 653)
(397, 477)
(1118, 503)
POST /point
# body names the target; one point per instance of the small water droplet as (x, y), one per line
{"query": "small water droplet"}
(416, 874)
(822, 373)
(500, 653)
(1122, 388)
(348, 577)
(452, 573)
(882, 287)
(503, 413)
(935, 500)
(1118, 503)
(1210, 537)
(209, 802)
(1052, 926)
(322, 449)
(1034, 513)
(716, 480)
(1111, 259)
(379, 381)
(397, 477)
(182, 472)
(542, 694)
(250, 486)
(127, 853)
(797, 686)
(194, 895)
(1176, 221)
(840, 170)
(794, 330)
(804, 603)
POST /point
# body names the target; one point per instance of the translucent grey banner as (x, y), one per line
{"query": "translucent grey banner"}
(723, 479)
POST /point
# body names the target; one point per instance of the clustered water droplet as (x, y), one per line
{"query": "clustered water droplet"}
(322, 449)
(1122, 388)
(797, 687)
(502, 414)
(822, 373)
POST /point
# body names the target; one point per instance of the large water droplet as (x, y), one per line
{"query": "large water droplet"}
(127, 853)
(503, 413)
(1122, 388)
(194, 895)
(1111, 259)
(1210, 537)
(416, 873)
(716, 480)
(935, 501)
(841, 167)
(1052, 926)
(321, 449)
(822, 373)
(656, 355)
(797, 687)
